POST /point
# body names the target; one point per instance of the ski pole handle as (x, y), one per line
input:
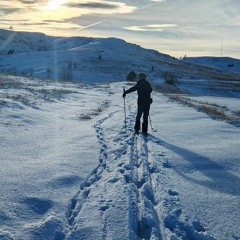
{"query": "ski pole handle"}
(124, 93)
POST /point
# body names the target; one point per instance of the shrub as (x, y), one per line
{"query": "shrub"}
(170, 77)
(11, 51)
(66, 74)
(132, 76)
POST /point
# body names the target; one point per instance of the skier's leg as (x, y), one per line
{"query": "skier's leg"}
(145, 118)
(138, 118)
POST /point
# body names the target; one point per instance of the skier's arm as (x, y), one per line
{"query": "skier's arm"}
(132, 89)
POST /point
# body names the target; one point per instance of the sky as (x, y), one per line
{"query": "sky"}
(174, 27)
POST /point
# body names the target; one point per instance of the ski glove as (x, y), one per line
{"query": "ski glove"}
(124, 95)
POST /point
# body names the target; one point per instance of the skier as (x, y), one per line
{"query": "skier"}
(144, 89)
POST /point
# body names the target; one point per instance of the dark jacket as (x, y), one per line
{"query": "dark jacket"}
(144, 89)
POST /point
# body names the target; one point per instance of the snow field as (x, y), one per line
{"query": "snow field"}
(75, 172)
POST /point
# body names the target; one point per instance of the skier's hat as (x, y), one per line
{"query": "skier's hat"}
(141, 76)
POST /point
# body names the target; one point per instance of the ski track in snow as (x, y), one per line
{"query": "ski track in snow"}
(148, 222)
(139, 214)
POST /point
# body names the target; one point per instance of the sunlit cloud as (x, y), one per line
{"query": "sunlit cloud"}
(48, 15)
(54, 4)
(64, 7)
(152, 27)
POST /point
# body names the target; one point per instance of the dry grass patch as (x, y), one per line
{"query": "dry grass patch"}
(95, 112)
(213, 110)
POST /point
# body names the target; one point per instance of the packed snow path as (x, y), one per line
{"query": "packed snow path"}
(117, 196)
(71, 170)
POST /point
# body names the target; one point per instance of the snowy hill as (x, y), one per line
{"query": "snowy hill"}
(93, 59)
(74, 58)
(23, 41)
(223, 63)
(71, 170)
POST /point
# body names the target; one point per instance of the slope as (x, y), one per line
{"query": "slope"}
(94, 59)
(71, 170)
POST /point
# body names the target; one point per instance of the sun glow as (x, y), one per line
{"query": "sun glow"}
(53, 4)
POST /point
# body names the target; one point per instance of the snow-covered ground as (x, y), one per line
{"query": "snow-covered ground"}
(71, 170)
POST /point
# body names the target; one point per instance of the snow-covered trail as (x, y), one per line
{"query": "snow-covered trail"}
(71, 170)
(116, 201)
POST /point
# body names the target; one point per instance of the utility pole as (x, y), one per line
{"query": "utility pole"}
(221, 48)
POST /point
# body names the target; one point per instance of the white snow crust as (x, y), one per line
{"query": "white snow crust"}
(71, 170)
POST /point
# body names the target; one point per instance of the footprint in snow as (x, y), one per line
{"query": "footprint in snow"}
(39, 206)
(172, 193)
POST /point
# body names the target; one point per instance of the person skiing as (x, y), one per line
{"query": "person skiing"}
(144, 89)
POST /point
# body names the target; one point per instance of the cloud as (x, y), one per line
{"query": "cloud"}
(57, 14)
(92, 5)
(27, 1)
(8, 10)
(151, 27)
(102, 7)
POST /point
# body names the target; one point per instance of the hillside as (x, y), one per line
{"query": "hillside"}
(94, 59)
(227, 64)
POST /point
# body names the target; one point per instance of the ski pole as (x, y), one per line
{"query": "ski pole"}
(125, 109)
(150, 121)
